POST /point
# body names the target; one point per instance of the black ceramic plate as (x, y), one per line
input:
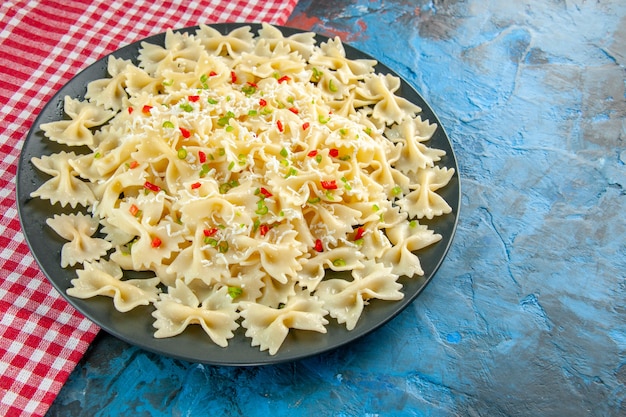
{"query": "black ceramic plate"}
(135, 327)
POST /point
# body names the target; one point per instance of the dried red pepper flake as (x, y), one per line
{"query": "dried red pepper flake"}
(251, 84)
(262, 103)
(195, 185)
(152, 187)
(133, 210)
(133, 164)
(264, 191)
(210, 232)
(193, 99)
(329, 185)
(294, 110)
(333, 152)
(319, 247)
(156, 242)
(305, 125)
(280, 126)
(201, 157)
(312, 153)
(233, 77)
(283, 79)
(146, 109)
(263, 229)
(184, 132)
(212, 74)
(359, 233)
(130, 110)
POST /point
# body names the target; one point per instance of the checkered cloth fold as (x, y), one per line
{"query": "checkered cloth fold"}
(43, 44)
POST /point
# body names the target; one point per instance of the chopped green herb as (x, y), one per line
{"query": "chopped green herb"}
(210, 241)
(248, 89)
(261, 208)
(186, 107)
(317, 75)
(339, 262)
(234, 292)
(224, 120)
(223, 247)
(225, 187)
(345, 184)
(292, 172)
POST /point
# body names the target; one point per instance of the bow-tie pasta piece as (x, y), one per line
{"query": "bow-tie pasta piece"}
(77, 130)
(110, 93)
(406, 239)
(424, 201)
(264, 62)
(232, 44)
(302, 43)
(388, 107)
(342, 258)
(78, 229)
(181, 51)
(275, 294)
(332, 55)
(278, 258)
(414, 154)
(180, 307)
(200, 261)
(63, 188)
(268, 327)
(105, 278)
(345, 300)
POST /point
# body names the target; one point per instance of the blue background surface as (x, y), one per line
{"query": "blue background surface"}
(527, 314)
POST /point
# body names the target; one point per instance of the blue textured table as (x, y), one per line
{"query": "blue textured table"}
(527, 314)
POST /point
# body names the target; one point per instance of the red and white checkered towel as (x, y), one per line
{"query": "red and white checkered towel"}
(43, 44)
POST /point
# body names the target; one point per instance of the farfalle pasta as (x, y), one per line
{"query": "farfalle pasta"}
(239, 169)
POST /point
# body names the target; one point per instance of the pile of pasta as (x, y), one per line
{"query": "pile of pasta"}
(267, 181)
